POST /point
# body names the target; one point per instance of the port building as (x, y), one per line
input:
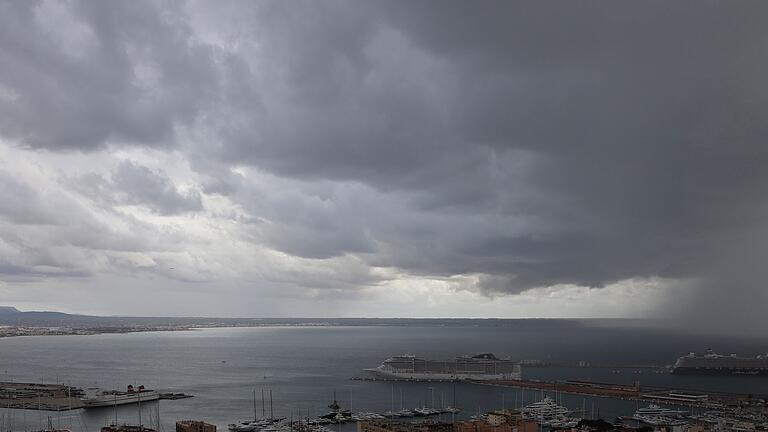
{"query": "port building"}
(194, 426)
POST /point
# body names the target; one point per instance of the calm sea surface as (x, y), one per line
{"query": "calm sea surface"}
(304, 366)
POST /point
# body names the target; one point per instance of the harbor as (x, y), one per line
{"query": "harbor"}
(304, 366)
(547, 409)
(60, 397)
(35, 396)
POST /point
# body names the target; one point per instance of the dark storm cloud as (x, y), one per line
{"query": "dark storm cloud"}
(533, 143)
(645, 122)
(76, 75)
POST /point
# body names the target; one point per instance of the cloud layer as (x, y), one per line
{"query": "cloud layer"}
(346, 148)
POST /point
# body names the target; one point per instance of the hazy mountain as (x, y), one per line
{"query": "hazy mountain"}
(6, 310)
(12, 316)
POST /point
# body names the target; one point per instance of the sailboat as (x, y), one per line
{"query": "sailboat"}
(257, 423)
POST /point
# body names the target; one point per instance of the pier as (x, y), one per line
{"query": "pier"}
(33, 396)
(686, 397)
(52, 397)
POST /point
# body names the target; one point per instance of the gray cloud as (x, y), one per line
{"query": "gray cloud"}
(80, 74)
(530, 143)
(134, 184)
(646, 136)
(139, 185)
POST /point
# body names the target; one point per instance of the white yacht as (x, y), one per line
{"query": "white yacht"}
(545, 408)
(254, 425)
(659, 411)
(656, 415)
(548, 412)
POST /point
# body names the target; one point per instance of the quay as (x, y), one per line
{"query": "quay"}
(52, 397)
(687, 397)
(33, 396)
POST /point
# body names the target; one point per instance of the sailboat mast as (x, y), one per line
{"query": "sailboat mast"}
(392, 406)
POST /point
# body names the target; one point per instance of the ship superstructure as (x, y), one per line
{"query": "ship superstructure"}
(484, 366)
(711, 363)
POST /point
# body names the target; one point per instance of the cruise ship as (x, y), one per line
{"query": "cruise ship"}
(95, 397)
(478, 367)
(712, 363)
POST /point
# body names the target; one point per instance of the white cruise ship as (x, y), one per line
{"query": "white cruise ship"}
(478, 367)
(95, 397)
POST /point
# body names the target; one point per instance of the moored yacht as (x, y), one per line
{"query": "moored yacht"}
(659, 410)
(548, 412)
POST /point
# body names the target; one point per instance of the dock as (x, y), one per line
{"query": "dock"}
(34, 396)
(52, 397)
(686, 397)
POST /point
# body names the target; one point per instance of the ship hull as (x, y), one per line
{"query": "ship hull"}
(109, 401)
(718, 371)
(417, 376)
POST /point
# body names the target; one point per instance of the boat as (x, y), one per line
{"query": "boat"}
(485, 366)
(258, 423)
(658, 410)
(126, 428)
(545, 407)
(656, 415)
(337, 414)
(656, 420)
(711, 363)
(96, 397)
(424, 411)
(254, 425)
(548, 412)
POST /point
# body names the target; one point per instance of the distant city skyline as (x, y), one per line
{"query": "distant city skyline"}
(385, 159)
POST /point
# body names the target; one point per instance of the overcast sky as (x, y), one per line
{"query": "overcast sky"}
(385, 158)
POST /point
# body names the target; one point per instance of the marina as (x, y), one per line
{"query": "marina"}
(336, 415)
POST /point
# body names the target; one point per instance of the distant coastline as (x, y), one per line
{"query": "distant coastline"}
(14, 322)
